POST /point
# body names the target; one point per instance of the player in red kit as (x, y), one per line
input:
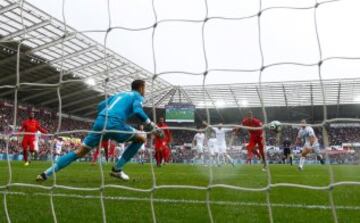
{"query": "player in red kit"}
(109, 148)
(31, 126)
(162, 150)
(256, 137)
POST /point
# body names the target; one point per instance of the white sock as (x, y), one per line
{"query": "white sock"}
(302, 161)
(229, 158)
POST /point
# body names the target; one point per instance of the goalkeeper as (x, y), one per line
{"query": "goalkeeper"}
(118, 109)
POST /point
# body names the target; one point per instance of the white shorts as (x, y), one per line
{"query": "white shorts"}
(57, 151)
(199, 148)
(222, 147)
(36, 146)
(315, 147)
(213, 150)
(142, 148)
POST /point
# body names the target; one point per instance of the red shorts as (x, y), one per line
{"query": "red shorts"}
(109, 147)
(28, 142)
(255, 140)
(160, 145)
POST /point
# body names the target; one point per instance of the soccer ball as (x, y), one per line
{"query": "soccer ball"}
(275, 126)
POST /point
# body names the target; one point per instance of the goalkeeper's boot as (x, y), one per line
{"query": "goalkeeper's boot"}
(119, 174)
(42, 177)
(300, 168)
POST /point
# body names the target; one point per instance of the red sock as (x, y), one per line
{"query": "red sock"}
(95, 155)
(158, 157)
(25, 154)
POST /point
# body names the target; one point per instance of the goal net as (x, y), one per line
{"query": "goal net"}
(285, 79)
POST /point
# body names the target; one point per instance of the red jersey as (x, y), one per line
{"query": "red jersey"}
(107, 144)
(167, 135)
(31, 125)
(253, 123)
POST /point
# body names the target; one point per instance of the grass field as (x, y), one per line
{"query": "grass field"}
(182, 205)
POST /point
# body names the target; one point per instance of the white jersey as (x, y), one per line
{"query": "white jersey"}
(220, 134)
(220, 137)
(199, 139)
(212, 146)
(37, 141)
(58, 146)
(143, 134)
(305, 134)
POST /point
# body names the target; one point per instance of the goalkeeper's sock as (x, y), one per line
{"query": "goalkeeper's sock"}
(129, 153)
(302, 161)
(61, 163)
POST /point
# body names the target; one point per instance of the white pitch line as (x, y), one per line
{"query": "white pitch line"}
(182, 201)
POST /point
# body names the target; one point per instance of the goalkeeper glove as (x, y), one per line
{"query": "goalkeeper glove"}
(157, 131)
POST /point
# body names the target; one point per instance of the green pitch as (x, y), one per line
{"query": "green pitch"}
(181, 205)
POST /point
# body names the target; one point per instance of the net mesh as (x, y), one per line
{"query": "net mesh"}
(155, 186)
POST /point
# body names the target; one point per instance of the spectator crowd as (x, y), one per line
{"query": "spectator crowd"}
(181, 144)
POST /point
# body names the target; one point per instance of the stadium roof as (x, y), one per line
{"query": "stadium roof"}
(274, 94)
(47, 42)
(49, 48)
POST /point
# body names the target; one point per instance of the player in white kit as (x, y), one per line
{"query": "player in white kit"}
(36, 145)
(220, 133)
(310, 142)
(119, 149)
(58, 148)
(37, 141)
(198, 145)
(142, 148)
(213, 151)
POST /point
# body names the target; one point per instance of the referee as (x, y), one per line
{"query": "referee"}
(287, 151)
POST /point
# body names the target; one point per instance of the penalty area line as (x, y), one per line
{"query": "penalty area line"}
(183, 201)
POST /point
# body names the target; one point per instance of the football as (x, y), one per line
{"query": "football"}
(275, 126)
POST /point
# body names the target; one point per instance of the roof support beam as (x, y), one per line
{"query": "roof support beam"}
(26, 71)
(27, 29)
(66, 105)
(153, 95)
(91, 105)
(173, 94)
(74, 70)
(262, 103)
(338, 100)
(212, 101)
(165, 96)
(235, 99)
(95, 62)
(90, 112)
(77, 92)
(44, 46)
(42, 93)
(188, 99)
(9, 8)
(285, 97)
(312, 102)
